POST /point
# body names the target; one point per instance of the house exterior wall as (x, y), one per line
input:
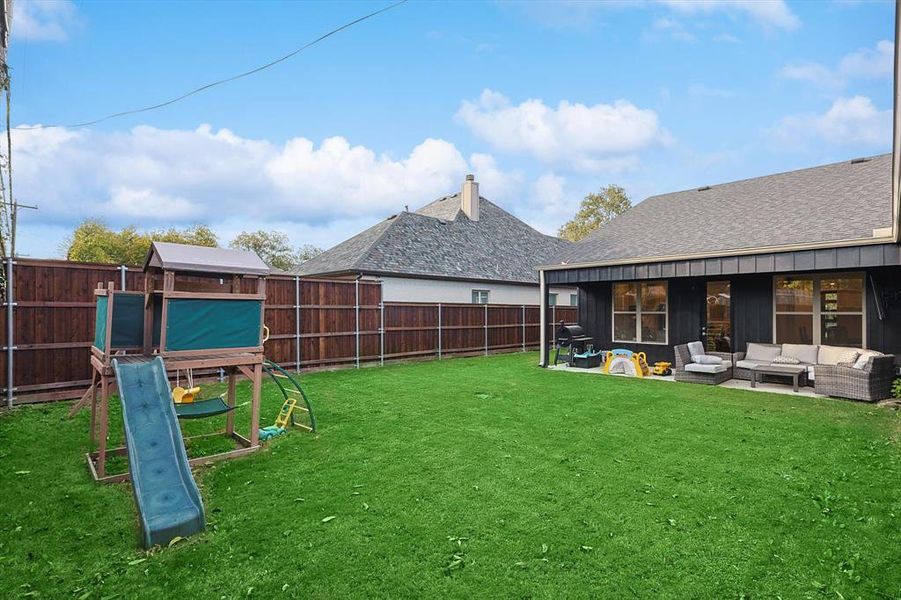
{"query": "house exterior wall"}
(400, 289)
(751, 310)
(685, 303)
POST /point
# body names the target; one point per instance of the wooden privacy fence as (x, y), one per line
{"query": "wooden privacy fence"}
(47, 325)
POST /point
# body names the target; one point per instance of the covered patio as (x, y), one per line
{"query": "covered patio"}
(712, 271)
(735, 384)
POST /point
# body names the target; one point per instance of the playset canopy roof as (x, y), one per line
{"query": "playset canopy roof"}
(183, 257)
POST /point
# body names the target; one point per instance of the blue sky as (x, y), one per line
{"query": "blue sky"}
(543, 101)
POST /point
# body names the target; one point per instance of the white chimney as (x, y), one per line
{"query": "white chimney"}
(469, 198)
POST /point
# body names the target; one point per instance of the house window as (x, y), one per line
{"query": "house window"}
(820, 309)
(552, 299)
(639, 312)
(480, 296)
(574, 299)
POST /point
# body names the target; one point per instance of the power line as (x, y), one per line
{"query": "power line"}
(222, 81)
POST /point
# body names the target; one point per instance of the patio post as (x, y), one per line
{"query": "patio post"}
(10, 348)
(439, 331)
(297, 324)
(542, 348)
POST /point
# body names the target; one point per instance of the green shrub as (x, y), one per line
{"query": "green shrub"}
(896, 388)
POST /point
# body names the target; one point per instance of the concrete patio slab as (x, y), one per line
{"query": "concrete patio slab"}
(735, 384)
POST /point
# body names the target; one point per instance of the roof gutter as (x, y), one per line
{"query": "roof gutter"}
(883, 238)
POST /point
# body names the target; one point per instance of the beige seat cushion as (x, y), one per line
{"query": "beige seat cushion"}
(865, 357)
(764, 352)
(698, 368)
(750, 363)
(833, 355)
(805, 353)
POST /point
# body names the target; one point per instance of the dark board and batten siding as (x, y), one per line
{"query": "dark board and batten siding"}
(686, 303)
(853, 257)
(885, 334)
(751, 311)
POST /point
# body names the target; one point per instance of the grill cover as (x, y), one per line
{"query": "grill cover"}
(568, 332)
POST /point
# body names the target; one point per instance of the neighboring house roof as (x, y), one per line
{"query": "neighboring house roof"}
(183, 257)
(831, 203)
(440, 241)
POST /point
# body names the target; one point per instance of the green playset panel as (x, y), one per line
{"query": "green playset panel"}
(100, 323)
(209, 324)
(128, 321)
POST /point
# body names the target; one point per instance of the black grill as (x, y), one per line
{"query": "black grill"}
(572, 337)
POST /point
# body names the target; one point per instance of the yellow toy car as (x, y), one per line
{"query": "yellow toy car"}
(662, 368)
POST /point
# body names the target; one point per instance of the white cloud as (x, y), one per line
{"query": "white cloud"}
(320, 193)
(726, 38)
(601, 137)
(43, 20)
(770, 13)
(667, 28)
(866, 63)
(848, 122)
(494, 182)
(701, 90)
(340, 179)
(550, 204)
(581, 15)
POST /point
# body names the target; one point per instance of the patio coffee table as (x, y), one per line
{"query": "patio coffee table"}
(798, 373)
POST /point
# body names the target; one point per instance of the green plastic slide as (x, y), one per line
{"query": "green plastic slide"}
(167, 498)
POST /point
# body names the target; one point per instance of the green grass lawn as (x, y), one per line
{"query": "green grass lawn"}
(485, 477)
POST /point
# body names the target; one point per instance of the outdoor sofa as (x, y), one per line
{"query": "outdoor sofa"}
(690, 368)
(839, 371)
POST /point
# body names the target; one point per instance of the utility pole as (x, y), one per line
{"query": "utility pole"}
(13, 214)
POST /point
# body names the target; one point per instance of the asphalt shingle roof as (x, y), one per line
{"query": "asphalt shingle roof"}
(840, 201)
(439, 240)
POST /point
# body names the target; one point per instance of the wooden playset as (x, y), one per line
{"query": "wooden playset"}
(201, 308)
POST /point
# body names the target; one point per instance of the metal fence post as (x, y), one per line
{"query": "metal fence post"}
(381, 333)
(439, 331)
(296, 324)
(122, 270)
(523, 327)
(357, 322)
(10, 347)
(486, 329)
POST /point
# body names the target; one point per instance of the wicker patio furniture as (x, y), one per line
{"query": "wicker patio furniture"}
(871, 383)
(797, 373)
(741, 372)
(683, 358)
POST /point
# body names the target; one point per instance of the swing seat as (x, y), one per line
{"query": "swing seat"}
(181, 395)
(202, 409)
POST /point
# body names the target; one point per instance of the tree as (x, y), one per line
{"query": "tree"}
(197, 235)
(94, 241)
(596, 209)
(275, 248)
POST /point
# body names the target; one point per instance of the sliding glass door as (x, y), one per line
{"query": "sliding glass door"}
(718, 328)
